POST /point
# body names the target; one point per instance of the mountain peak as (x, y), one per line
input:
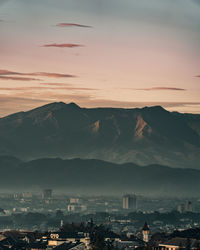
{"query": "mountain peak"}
(48, 107)
(54, 106)
(73, 104)
(155, 109)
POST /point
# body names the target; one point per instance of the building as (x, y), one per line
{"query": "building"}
(47, 194)
(71, 246)
(76, 208)
(184, 208)
(126, 244)
(27, 195)
(181, 208)
(179, 243)
(188, 206)
(130, 202)
(58, 238)
(145, 232)
(74, 200)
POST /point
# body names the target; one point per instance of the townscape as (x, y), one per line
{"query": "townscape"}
(51, 220)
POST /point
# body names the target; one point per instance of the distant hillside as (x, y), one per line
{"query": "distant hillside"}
(149, 135)
(90, 176)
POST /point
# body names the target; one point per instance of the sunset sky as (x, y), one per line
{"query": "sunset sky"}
(116, 53)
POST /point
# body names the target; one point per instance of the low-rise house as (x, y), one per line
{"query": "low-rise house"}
(59, 238)
(179, 243)
(71, 246)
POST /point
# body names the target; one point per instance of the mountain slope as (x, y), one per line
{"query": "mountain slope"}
(79, 175)
(145, 136)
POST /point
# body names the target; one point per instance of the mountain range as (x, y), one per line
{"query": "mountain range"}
(149, 135)
(96, 176)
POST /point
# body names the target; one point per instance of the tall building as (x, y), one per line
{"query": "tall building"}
(188, 206)
(47, 194)
(145, 232)
(130, 202)
(181, 208)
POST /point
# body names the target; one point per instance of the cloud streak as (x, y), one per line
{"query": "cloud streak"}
(55, 87)
(161, 88)
(18, 78)
(54, 75)
(7, 72)
(63, 25)
(13, 103)
(62, 45)
(42, 74)
(10, 104)
(54, 84)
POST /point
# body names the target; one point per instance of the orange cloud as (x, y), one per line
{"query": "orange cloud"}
(63, 45)
(72, 25)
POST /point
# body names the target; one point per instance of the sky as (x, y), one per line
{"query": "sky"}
(100, 53)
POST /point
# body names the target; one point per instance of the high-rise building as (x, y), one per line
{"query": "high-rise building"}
(185, 207)
(47, 194)
(181, 208)
(188, 206)
(130, 202)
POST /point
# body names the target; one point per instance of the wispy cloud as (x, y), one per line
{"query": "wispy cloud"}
(11, 103)
(43, 74)
(48, 86)
(63, 25)
(197, 76)
(7, 72)
(161, 88)
(18, 78)
(54, 75)
(54, 84)
(63, 45)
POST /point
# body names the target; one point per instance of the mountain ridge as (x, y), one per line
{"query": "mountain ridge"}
(97, 176)
(149, 135)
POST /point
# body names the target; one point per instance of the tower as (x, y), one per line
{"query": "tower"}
(145, 232)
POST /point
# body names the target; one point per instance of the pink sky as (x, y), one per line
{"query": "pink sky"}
(121, 53)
